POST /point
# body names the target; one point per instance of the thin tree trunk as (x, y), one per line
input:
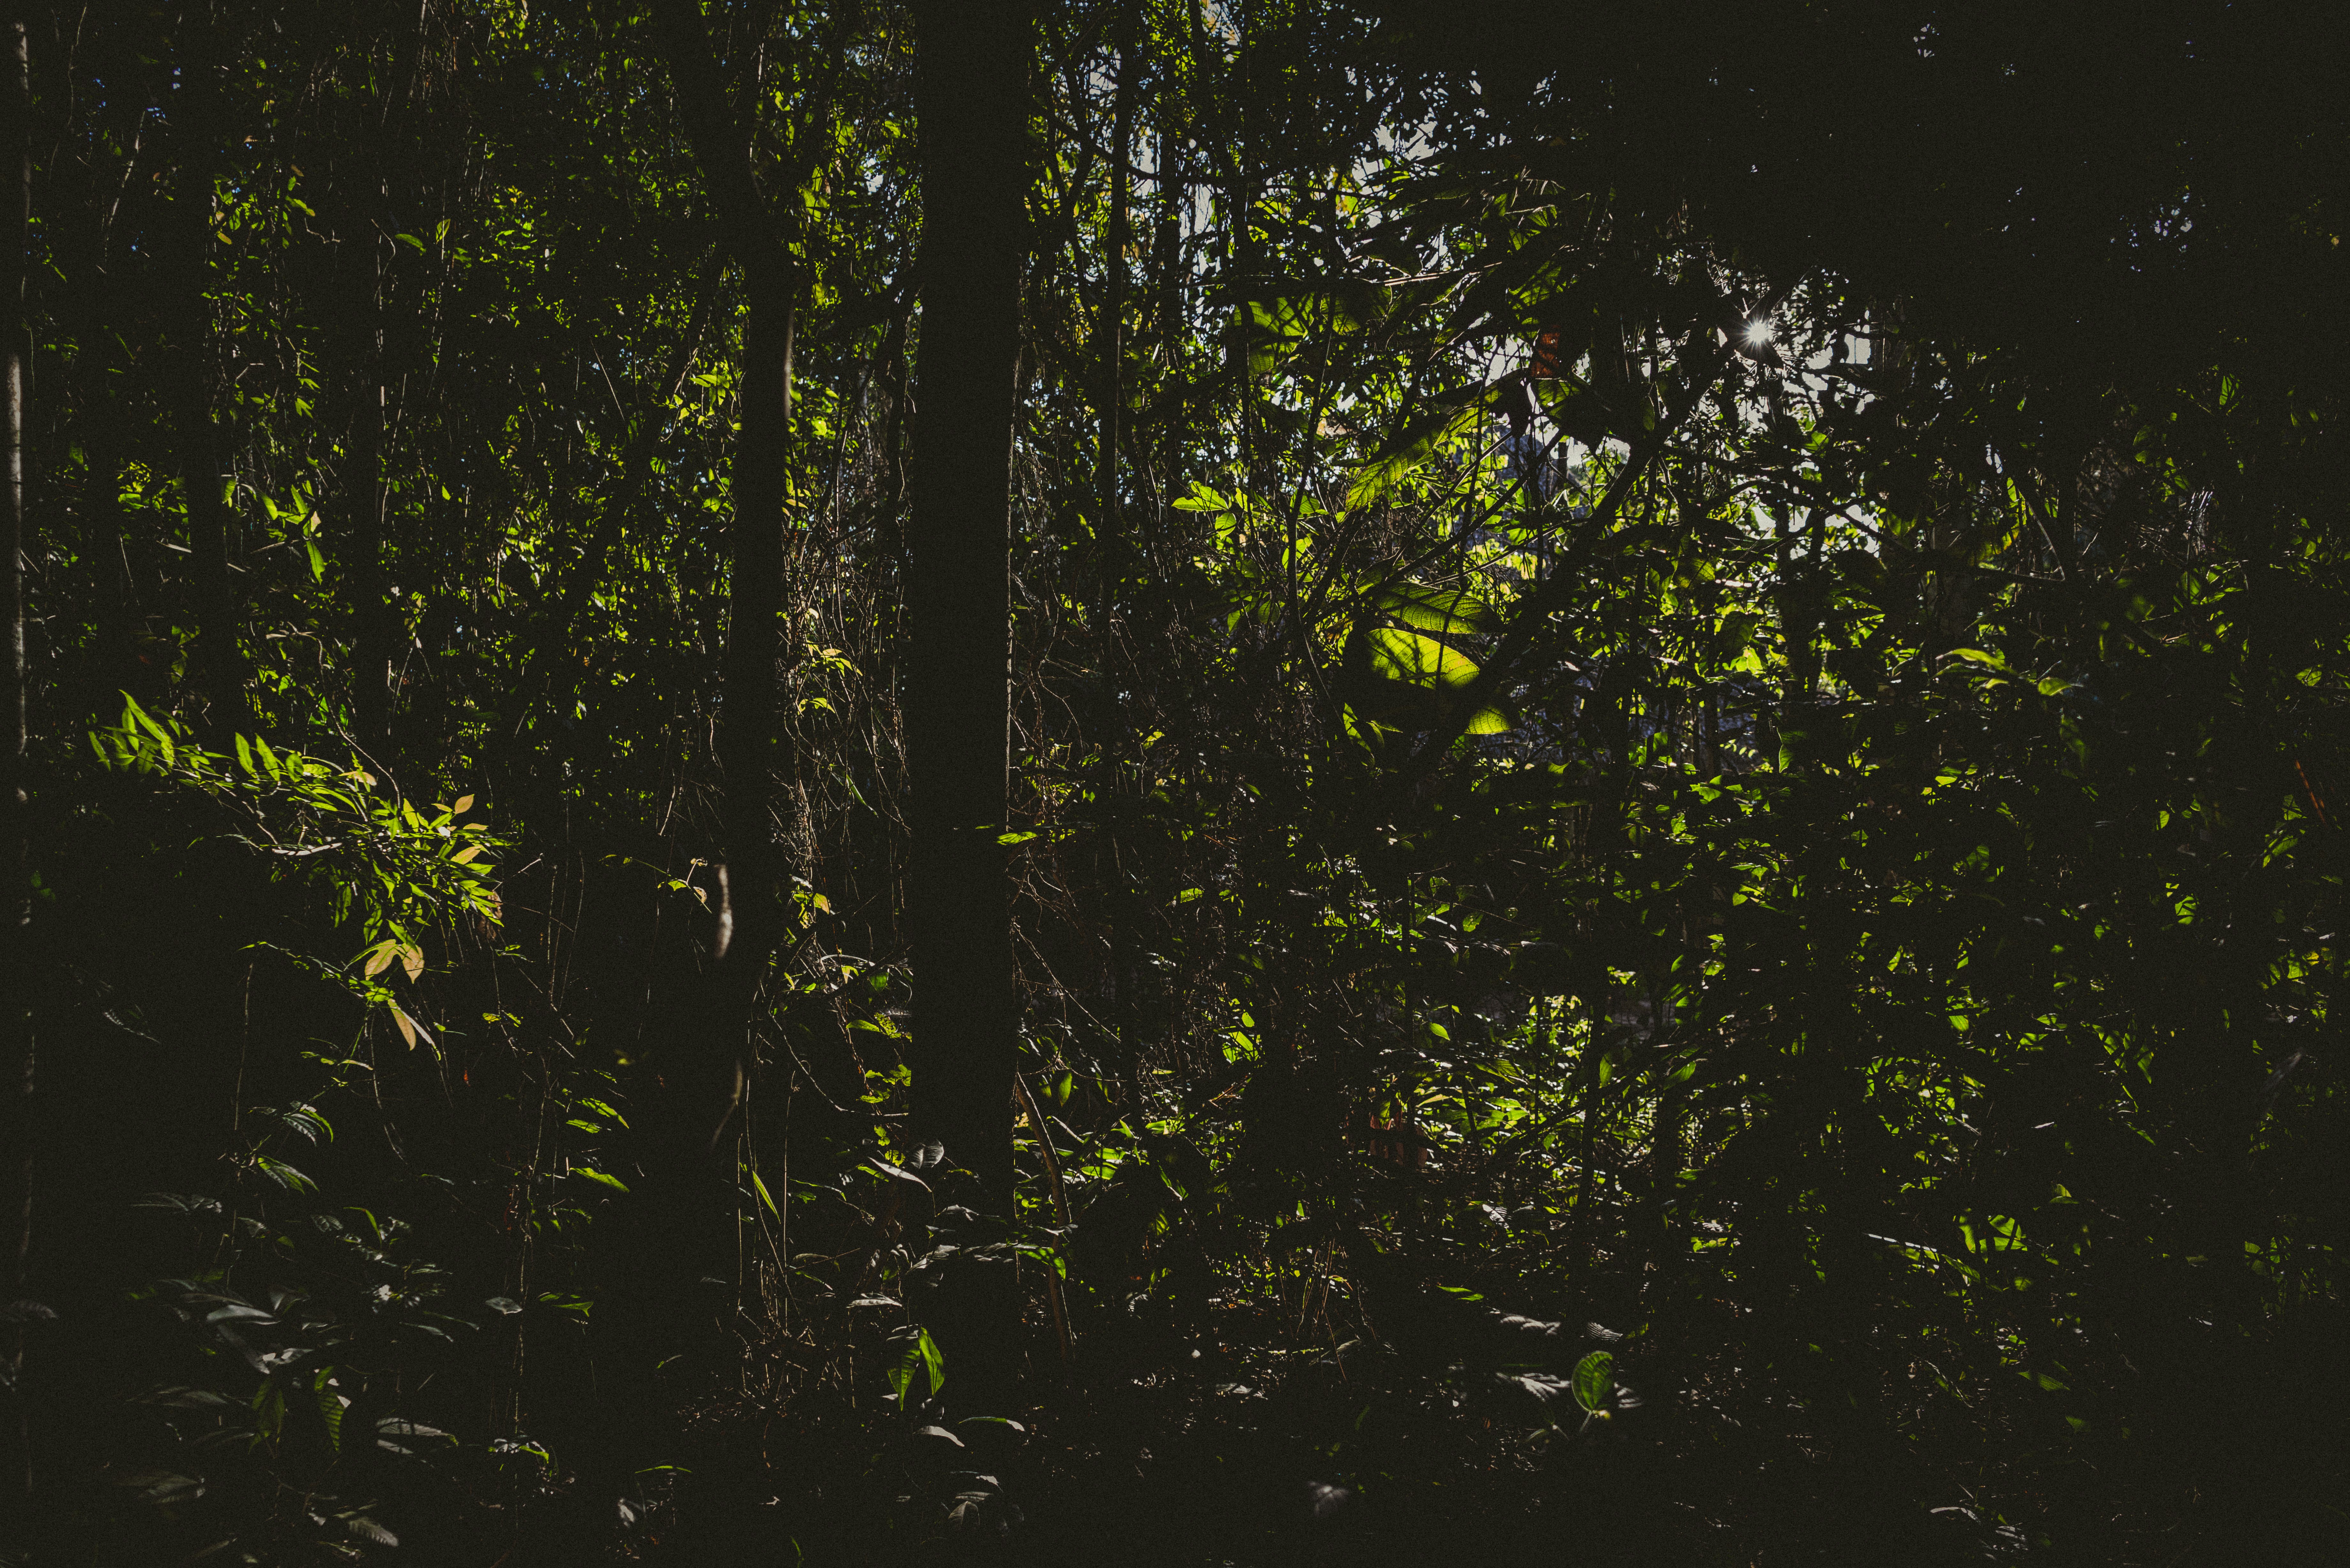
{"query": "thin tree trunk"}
(972, 104)
(893, 436)
(16, 1061)
(1113, 316)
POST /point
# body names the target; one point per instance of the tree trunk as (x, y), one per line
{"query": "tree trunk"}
(676, 1232)
(972, 104)
(1113, 315)
(676, 1229)
(17, 1123)
(710, 1059)
(750, 717)
(1175, 198)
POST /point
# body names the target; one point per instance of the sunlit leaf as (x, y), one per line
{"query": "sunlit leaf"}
(1417, 660)
(1595, 1381)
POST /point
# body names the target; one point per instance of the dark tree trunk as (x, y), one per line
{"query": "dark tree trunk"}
(675, 1235)
(750, 715)
(972, 104)
(710, 1059)
(676, 1230)
(751, 718)
(16, 904)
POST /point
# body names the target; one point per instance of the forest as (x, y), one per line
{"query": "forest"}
(1206, 783)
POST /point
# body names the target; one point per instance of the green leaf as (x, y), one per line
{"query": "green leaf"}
(1202, 499)
(934, 1360)
(879, 1167)
(331, 1406)
(1439, 609)
(1977, 655)
(284, 1175)
(1417, 660)
(133, 714)
(1595, 1381)
(922, 1356)
(1274, 330)
(1411, 448)
(306, 1121)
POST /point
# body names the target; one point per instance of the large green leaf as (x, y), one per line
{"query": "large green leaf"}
(1411, 448)
(1417, 660)
(1439, 609)
(1595, 1381)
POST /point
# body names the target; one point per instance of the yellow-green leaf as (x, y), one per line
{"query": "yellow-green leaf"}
(1408, 657)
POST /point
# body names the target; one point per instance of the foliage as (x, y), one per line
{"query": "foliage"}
(1675, 875)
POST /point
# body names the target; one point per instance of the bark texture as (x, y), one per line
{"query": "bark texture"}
(16, 1061)
(972, 101)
